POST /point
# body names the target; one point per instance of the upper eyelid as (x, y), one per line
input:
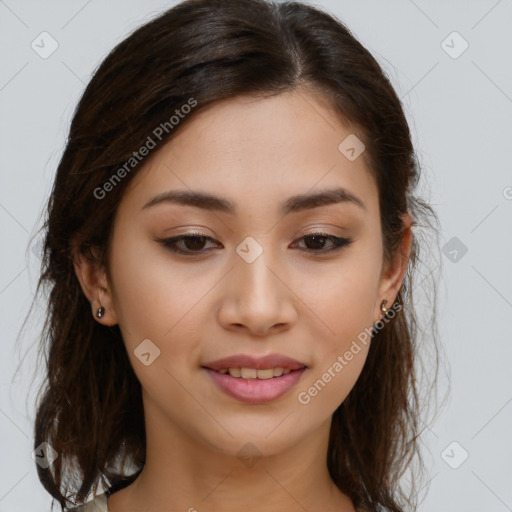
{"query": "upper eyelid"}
(193, 234)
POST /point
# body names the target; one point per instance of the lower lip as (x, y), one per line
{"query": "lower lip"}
(255, 391)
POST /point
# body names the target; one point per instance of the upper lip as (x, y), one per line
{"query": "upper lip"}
(259, 363)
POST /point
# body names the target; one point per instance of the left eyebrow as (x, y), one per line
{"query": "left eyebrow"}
(293, 204)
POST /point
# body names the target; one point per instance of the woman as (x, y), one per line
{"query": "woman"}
(231, 245)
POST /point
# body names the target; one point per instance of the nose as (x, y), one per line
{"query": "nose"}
(257, 298)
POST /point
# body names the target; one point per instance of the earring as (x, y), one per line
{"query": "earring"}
(101, 310)
(383, 306)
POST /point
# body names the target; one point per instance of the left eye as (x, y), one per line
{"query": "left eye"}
(194, 243)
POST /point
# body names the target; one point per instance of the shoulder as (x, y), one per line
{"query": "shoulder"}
(98, 504)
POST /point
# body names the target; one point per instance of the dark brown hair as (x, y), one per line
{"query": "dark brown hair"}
(90, 404)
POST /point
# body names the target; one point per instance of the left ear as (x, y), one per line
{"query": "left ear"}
(393, 274)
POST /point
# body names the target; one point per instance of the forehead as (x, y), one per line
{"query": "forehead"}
(258, 150)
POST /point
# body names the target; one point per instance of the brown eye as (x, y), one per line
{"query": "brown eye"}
(317, 242)
(191, 243)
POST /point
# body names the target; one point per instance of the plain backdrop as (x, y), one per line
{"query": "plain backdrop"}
(450, 64)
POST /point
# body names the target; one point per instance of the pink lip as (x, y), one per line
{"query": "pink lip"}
(259, 363)
(255, 391)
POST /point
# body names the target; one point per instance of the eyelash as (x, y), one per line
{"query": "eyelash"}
(170, 243)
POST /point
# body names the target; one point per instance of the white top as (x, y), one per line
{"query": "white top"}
(98, 504)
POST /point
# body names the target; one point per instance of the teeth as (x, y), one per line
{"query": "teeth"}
(252, 373)
(247, 373)
(265, 374)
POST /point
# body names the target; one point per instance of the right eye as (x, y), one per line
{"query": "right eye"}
(193, 243)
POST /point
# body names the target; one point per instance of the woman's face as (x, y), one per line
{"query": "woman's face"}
(257, 283)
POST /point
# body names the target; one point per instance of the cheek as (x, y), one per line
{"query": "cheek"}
(343, 298)
(329, 386)
(157, 300)
(339, 356)
(151, 295)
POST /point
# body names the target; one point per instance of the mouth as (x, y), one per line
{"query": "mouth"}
(255, 380)
(252, 386)
(247, 363)
(253, 373)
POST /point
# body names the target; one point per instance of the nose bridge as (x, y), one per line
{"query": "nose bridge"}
(256, 296)
(252, 272)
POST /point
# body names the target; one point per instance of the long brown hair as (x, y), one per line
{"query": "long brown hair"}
(89, 407)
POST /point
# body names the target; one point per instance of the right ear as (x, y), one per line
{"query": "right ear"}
(94, 283)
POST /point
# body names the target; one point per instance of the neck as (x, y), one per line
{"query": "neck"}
(182, 474)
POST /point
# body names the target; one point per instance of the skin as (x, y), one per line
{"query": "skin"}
(256, 152)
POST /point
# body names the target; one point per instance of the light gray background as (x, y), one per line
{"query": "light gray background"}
(460, 113)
